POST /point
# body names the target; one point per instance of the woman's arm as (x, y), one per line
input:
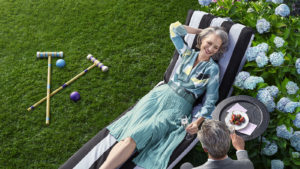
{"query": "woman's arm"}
(192, 30)
(177, 32)
(211, 94)
(211, 97)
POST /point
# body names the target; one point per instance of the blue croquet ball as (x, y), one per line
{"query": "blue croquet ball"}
(75, 96)
(60, 63)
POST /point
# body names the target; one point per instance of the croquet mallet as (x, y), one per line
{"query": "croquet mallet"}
(48, 55)
(90, 57)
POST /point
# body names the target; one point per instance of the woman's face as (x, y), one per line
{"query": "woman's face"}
(210, 45)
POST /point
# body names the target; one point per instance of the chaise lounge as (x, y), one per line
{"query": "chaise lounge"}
(95, 151)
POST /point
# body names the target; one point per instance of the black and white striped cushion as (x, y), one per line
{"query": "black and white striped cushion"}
(240, 38)
(95, 151)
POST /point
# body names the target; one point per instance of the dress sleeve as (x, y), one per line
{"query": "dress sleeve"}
(177, 32)
(211, 95)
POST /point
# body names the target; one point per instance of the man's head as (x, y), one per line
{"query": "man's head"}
(215, 138)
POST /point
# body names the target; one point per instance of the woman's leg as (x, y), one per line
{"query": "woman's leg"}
(119, 153)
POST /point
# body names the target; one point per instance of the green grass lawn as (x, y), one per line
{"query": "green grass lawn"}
(131, 37)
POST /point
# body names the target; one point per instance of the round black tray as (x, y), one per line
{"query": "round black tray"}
(256, 111)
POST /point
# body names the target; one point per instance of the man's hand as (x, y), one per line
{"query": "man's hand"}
(237, 142)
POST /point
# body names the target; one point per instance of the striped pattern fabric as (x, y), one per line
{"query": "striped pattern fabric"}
(95, 151)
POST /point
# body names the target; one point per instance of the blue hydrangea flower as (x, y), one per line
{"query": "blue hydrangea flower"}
(278, 42)
(282, 10)
(261, 59)
(295, 154)
(277, 1)
(265, 97)
(295, 140)
(297, 65)
(264, 140)
(204, 2)
(291, 87)
(273, 90)
(249, 10)
(250, 82)
(283, 132)
(291, 106)
(277, 164)
(252, 53)
(263, 47)
(240, 78)
(270, 149)
(281, 103)
(276, 58)
(297, 120)
(262, 26)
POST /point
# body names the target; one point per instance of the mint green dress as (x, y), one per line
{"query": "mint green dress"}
(154, 122)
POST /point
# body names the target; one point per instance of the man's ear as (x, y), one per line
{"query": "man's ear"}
(205, 150)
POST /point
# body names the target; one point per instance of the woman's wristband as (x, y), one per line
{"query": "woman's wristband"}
(200, 120)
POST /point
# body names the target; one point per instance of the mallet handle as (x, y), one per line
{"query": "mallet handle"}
(48, 92)
(46, 54)
(62, 87)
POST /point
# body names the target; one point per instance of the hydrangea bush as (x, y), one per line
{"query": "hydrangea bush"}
(297, 120)
(282, 10)
(270, 149)
(276, 58)
(264, 95)
(292, 87)
(283, 132)
(277, 164)
(262, 25)
(297, 65)
(278, 42)
(271, 74)
(261, 59)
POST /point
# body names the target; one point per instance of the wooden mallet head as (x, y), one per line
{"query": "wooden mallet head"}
(46, 54)
(97, 62)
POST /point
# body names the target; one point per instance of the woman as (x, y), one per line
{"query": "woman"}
(153, 127)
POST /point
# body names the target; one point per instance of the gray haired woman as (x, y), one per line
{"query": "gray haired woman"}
(152, 127)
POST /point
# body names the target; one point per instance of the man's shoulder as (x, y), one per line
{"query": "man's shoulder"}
(227, 164)
(203, 166)
(244, 163)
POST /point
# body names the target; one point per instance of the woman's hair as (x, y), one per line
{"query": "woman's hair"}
(218, 31)
(215, 137)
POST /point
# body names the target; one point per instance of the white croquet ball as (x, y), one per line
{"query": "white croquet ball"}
(104, 68)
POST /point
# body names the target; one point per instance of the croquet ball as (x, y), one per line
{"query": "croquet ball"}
(60, 63)
(75, 96)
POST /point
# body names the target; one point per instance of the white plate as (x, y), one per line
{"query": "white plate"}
(237, 127)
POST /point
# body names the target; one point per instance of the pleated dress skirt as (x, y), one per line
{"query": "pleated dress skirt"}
(154, 124)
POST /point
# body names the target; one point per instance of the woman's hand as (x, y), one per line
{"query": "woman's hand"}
(192, 128)
(192, 30)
